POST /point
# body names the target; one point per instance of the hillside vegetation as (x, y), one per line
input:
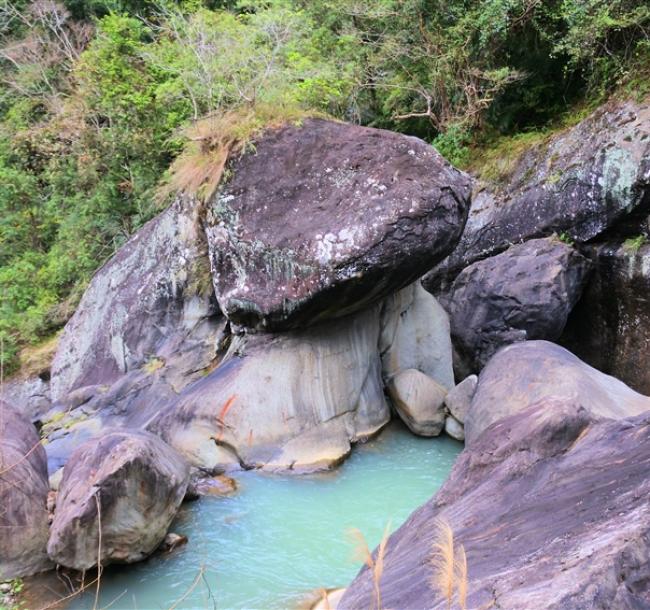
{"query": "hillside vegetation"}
(98, 99)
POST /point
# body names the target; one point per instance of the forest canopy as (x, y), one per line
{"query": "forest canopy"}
(99, 98)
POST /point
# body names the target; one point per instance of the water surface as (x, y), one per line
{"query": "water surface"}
(279, 537)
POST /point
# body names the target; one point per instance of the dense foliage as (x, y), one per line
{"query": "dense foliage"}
(97, 99)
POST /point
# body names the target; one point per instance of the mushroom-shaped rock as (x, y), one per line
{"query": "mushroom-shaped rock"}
(419, 401)
(23, 496)
(325, 218)
(126, 485)
(524, 374)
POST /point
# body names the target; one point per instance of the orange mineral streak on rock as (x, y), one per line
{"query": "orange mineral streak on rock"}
(221, 418)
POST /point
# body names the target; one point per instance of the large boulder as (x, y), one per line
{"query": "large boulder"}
(551, 507)
(579, 183)
(152, 297)
(324, 219)
(23, 497)
(524, 374)
(526, 292)
(610, 326)
(118, 496)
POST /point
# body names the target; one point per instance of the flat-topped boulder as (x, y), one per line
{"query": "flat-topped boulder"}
(323, 219)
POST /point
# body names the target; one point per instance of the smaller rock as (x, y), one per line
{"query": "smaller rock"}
(5, 588)
(460, 397)
(419, 401)
(220, 485)
(528, 373)
(130, 482)
(523, 293)
(172, 541)
(454, 428)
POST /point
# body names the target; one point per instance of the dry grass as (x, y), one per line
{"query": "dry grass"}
(376, 564)
(213, 139)
(36, 359)
(448, 566)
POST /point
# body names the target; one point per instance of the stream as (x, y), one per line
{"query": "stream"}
(280, 537)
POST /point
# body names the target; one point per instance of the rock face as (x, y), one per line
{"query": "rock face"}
(299, 399)
(415, 335)
(419, 401)
(152, 296)
(527, 373)
(130, 483)
(23, 497)
(291, 401)
(551, 508)
(579, 183)
(523, 293)
(314, 242)
(610, 326)
(325, 219)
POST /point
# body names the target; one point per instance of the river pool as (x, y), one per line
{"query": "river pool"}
(280, 537)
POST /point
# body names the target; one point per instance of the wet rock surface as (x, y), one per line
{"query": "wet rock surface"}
(126, 485)
(325, 219)
(526, 292)
(298, 400)
(524, 374)
(23, 496)
(550, 505)
(610, 326)
(292, 400)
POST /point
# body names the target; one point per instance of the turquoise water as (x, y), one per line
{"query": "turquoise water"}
(280, 537)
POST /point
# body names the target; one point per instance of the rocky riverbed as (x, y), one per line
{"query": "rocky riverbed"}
(340, 277)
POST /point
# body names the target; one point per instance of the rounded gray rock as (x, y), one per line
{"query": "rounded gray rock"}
(131, 483)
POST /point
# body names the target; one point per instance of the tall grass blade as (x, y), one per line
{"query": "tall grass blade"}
(442, 561)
